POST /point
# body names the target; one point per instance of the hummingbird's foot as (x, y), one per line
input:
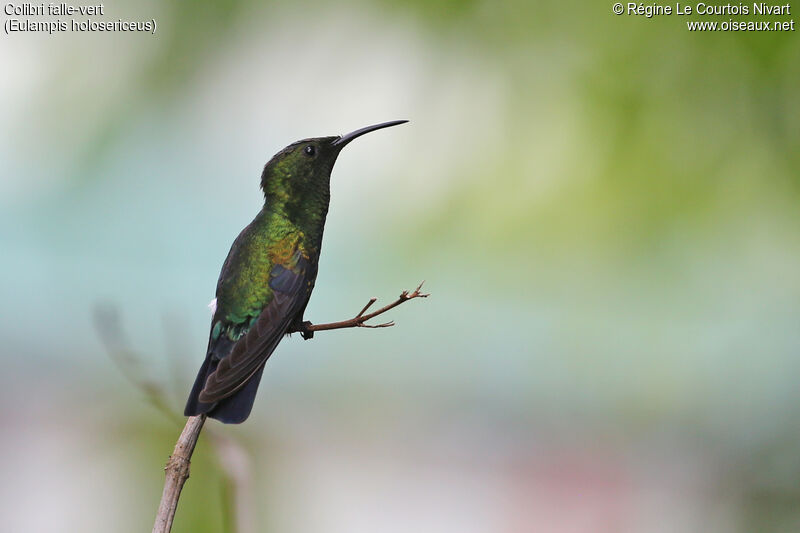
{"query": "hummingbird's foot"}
(305, 330)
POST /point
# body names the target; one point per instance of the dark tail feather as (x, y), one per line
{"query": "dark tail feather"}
(236, 408)
(231, 410)
(193, 405)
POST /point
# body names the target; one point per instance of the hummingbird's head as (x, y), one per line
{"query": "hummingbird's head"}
(298, 177)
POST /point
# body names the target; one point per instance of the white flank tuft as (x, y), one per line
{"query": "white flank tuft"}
(213, 306)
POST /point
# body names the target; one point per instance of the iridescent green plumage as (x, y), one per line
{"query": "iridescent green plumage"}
(243, 290)
(267, 278)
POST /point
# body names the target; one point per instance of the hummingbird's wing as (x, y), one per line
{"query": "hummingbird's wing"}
(290, 286)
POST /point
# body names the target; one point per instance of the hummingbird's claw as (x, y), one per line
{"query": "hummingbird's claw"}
(306, 332)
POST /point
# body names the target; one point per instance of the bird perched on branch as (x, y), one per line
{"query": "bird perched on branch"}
(267, 278)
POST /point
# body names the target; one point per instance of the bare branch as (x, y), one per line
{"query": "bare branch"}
(359, 321)
(234, 462)
(177, 470)
(369, 304)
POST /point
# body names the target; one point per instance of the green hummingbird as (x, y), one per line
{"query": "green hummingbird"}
(267, 278)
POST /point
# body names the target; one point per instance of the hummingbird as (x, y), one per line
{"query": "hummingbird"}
(267, 278)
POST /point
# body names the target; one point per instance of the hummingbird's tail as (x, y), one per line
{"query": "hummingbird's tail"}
(231, 410)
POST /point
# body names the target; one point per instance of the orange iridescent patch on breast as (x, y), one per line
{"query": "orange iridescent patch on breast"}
(283, 251)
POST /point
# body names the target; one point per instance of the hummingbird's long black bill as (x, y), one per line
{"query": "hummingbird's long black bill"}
(344, 139)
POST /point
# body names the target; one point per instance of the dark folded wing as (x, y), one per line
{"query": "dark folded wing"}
(290, 292)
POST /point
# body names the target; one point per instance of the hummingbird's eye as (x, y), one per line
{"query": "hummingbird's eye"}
(310, 150)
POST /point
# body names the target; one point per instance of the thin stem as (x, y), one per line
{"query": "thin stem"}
(359, 321)
(177, 470)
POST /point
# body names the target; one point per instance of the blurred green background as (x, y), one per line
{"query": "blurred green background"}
(605, 209)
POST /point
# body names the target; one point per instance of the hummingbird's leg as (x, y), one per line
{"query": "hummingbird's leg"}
(303, 327)
(305, 330)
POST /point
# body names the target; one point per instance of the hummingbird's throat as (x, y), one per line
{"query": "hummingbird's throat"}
(310, 218)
